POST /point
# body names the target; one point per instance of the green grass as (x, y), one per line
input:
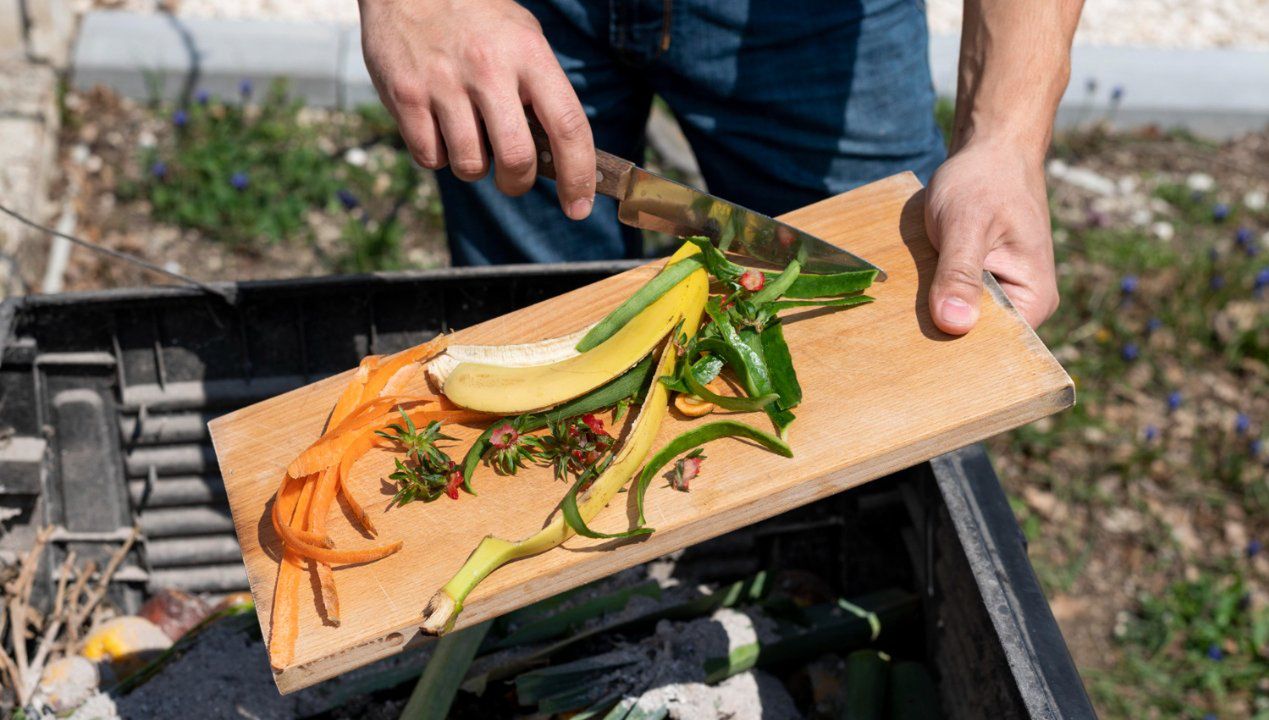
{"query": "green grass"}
(256, 175)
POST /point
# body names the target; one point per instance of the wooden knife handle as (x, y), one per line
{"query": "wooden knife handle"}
(612, 174)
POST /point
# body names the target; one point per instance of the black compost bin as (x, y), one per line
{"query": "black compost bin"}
(105, 397)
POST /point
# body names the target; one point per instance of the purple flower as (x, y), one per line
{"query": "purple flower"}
(1152, 433)
(1214, 652)
(347, 198)
(244, 89)
(1255, 447)
(1243, 236)
(180, 118)
(1262, 279)
(239, 180)
(1153, 325)
(1242, 424)
(1128, 285)
(1217, 282)
(1130, 352)
(1219, 212)
(202, 97)
(1117, 93)
(1174, 401)
(1253, 548)
(159, 169)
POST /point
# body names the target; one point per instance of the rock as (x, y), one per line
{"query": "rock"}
(1255, 200)
(128, 642)
(68, 682)
(1141, 217)
(1123, 521)
(1086, 179)
(1163, 230)
(356, 157)
(1045, 503)
(175, 612)
(1200, 182)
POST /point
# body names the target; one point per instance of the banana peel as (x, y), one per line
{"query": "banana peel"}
(494, 552)
(542, 375)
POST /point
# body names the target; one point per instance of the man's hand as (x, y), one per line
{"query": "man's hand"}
(453, 72)
(986, 208)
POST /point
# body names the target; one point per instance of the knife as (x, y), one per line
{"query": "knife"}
(650, 201)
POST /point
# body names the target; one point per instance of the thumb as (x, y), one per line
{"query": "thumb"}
(958, 280)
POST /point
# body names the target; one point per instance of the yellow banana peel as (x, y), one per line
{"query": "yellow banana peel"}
(513, 384)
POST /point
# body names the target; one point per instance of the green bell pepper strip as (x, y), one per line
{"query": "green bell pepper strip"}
(780, 417)
(627, 385)
(836, 284)
(705, 370)
(669, 276)
(803, 287)
(573, 516)
(777, 287)
(784, 378)
(849, 301)
(735, 404)
(694, 438)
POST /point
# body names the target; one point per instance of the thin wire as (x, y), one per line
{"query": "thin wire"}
(117, 255)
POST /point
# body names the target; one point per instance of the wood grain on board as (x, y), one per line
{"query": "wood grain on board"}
(884, 390)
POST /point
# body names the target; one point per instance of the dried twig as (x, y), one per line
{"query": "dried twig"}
(54, 625)
(103, 582)
(77, 591)
(19, 604)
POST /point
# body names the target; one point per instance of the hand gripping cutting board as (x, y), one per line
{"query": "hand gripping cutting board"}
(884, 390)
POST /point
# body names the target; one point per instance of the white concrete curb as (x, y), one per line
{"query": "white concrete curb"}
(1217, 93)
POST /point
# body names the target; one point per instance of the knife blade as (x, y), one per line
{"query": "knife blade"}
(650, 201)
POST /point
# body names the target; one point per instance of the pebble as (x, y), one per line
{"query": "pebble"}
(1086, 179)
(1200, 182)
(1255, 200)
(1123, 520)
(1163, 230)
(356, 157)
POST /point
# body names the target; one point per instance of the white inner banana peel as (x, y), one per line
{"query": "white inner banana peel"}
(514, 379)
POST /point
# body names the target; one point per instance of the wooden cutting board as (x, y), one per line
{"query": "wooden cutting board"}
(884, 390)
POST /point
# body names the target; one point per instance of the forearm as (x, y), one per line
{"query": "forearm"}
(1014, 66)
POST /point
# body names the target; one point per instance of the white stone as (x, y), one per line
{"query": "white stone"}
(1200, 182)
(1255, 200)
(356, 157)
(1086, 179)
(1142, 217)
(1163, 230)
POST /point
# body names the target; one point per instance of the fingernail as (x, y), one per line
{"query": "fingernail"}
(580, 208)
(956, 311)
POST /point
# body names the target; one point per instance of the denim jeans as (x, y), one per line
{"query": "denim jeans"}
(785, 102)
